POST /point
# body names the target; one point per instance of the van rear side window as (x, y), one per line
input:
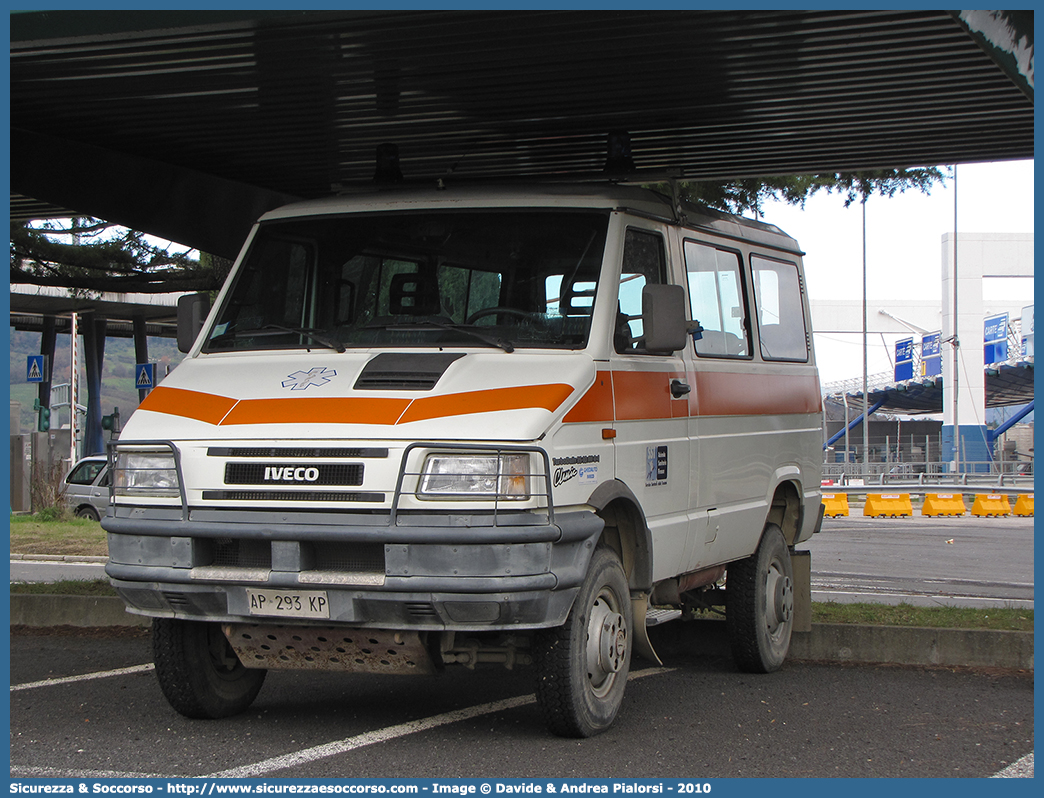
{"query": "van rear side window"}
(781, 319)
(716, 299)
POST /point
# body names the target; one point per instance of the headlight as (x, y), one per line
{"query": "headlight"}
(477, 476)
(146, 474)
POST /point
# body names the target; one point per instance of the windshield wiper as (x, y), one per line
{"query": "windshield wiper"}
(500, 343)
(275, 329)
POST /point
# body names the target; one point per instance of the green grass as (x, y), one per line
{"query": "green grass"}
(34, 535)
(1007, 618)
(68, 587)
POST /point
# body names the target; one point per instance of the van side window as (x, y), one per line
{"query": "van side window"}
(717, 301)
(644, 263)
(781, 319)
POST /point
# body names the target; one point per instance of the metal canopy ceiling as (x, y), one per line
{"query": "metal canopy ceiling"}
(189, 124)
(1006, 385)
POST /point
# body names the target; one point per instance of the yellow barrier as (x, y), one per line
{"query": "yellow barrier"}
(835, 504)
(936, 504)
(890, 504)
(1024, 505)
(991, 504)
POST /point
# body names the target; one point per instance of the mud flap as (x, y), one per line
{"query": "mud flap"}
(642, 645)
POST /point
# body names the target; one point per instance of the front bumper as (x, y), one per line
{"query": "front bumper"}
(423, 572)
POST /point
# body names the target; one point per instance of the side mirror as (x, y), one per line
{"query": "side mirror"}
(663, 318)
(192, 312)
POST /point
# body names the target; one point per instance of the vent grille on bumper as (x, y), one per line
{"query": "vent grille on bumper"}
(350, 557)
(240, 553)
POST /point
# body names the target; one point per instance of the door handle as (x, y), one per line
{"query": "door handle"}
(679, 388)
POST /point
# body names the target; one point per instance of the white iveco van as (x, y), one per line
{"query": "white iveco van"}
(474, 426)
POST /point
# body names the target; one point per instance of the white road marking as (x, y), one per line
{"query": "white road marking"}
(85, 677)
(317, 752)
(1023, 769)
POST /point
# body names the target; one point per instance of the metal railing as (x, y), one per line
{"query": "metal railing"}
(1014, 476)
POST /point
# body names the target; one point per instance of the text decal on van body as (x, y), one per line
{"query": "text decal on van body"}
(655, 466)
(583, 468)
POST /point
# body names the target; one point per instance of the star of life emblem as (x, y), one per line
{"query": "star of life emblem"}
(300, 380)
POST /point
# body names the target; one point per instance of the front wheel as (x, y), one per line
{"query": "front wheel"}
(759, 605)
(199, 673)
(582, 665)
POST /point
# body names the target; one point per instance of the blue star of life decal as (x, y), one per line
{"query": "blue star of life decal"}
(300, 380)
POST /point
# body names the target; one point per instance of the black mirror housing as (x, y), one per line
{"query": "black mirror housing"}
(192, 312)
(663, 318)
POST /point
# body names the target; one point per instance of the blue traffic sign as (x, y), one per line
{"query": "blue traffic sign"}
(144, 376)
(904, 360)
(36, 368)
(995, 339)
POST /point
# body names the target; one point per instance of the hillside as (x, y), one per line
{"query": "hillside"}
(117, 378)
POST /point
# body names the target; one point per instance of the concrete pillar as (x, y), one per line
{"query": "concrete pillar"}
(94, 355)
(978, 255)
(48, 338)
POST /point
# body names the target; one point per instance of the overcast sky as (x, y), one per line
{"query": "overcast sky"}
(904, 246)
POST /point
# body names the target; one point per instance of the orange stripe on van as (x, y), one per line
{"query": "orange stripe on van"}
(317, 410)
(206, 407)
(548, 397)
(642, 394)
(733, 394)
(596, 404)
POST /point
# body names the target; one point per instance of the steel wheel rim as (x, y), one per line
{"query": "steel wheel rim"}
(606, 642)
(779, 599)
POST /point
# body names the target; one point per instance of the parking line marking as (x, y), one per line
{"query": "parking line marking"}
(317, 752)
(84, 677)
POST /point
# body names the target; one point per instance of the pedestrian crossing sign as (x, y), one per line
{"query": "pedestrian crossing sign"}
(144, 376)
(36, 368)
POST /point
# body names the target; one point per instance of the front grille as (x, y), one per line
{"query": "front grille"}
(299, 451)
(290, 496)
(315, 474)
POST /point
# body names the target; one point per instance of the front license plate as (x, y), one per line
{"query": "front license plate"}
(289, 603)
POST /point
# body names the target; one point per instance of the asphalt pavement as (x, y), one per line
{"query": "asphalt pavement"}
(695, 718)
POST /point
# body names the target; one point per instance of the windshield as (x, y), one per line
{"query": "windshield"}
(504, 279)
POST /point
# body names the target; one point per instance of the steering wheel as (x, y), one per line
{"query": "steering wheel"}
(479, 314)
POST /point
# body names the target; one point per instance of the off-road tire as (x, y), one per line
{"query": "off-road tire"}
(582, 665)
(199, 673)
(759, 605)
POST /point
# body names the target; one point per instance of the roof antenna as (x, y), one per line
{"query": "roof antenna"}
(388, 170)
(618, 160)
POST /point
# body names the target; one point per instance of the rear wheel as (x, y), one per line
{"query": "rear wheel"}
(88, 512)
(759, 605)
(198, 671)
(582, 665)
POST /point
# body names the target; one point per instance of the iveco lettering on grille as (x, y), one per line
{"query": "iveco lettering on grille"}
(291, 474)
